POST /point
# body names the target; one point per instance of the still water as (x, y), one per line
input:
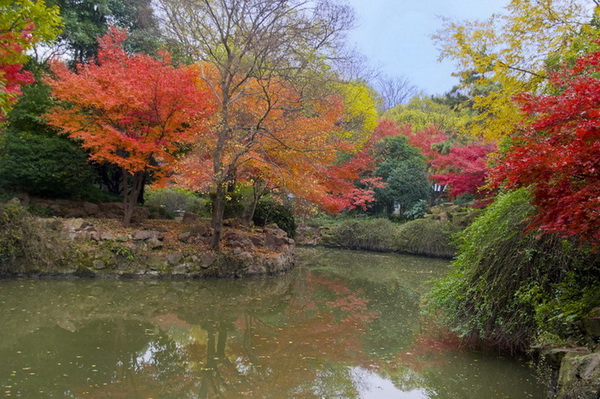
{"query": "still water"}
(343, 325)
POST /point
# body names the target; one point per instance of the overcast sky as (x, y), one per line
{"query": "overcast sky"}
(395, 36)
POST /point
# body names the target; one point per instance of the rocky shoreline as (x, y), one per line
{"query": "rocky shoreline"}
(155, 249)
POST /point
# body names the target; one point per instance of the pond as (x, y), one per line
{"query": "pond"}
(344, 324)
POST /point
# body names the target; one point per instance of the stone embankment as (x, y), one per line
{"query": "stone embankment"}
(163, 249)
(575, 371)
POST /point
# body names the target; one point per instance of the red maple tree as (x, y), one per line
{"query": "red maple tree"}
(463, 169)
(130, 110)
(12, 75)
(557, 153)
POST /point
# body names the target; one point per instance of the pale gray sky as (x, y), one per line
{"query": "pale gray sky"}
(395, 36)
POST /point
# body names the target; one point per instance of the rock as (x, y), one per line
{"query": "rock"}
(592, 324)
(55, 225)
(235, 239)
(207, 260)
(98, 264)
(230, 222)
(554, 356)
(66, 325)
(185, 237)
(155, 262)
(147, 235)
(200, 230)
(174, 258)
(258, 241)
(73, 224)
(155, 243)
(180, 269)
(274, 242)
(106, 236)
(91, 209)
(579, 376)
(75, 213)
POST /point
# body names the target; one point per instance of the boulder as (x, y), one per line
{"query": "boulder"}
(91, 209)
(147, 235)
(98, 264)
(579, 376)
(207, 260)
(592, 324)
(174, 258)
(75, 224)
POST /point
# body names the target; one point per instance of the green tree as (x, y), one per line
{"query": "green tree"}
(404, 170)
(33, 157)
(422, 112)
(87, 20)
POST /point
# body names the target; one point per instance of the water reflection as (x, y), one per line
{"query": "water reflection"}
(347, 326)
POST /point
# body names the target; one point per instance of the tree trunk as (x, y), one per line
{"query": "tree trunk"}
(258, 190)
(217, 215)
(130, 195)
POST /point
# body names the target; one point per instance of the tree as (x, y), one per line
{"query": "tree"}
(251, 50)
(395, 91)
(87, 20)
(22, 24)
(402, 167)
(463, 168)
(133, 111)
(556, 152)
(422, 112)
(512, 53)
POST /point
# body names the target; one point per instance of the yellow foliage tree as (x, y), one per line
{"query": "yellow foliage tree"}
(511, 53)
(360, 111)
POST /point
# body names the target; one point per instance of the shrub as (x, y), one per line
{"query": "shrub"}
(45, 166)
(417, 211)
(509, 286)
(166, 202)
(366, 234)
(24, 237)
(427, 237)
(268, 210)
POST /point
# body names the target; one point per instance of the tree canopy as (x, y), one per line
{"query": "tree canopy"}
(512, 53)
(557, 152)
(23, 23)
(130, 110)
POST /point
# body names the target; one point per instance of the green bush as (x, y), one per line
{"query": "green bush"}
(268, 211)
(427, 237)
(167, 202)
(418, 210)
(367, 234)
(509, 286)
(49, 166)
(419, 237)
(25, 238)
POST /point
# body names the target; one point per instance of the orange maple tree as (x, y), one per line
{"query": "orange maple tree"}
(130, 110)
(269, 133)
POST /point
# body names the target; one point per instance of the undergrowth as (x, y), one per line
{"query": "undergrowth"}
(509, 287)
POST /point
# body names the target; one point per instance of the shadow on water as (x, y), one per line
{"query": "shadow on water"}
(343, 325)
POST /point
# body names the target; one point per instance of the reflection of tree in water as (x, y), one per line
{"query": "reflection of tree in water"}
(54, 362)
(299, 335)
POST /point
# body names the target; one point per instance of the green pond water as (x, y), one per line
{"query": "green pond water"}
(343, 324)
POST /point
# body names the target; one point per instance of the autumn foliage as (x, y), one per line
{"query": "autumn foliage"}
(12, 75)
(558, 153)
(130, 110)
(272, 135)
